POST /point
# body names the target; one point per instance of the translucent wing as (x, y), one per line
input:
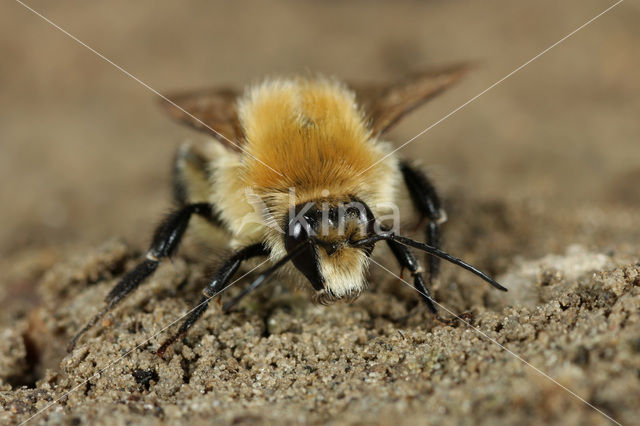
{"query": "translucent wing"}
(386, 104)
(215, 112)
(211, 111)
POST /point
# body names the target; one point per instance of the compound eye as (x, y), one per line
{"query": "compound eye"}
(307, 261)
(360, 213)
(297, 234)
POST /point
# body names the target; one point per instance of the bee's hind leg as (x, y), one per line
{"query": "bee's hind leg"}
(425, 199)
(216, 285)
(166, 239)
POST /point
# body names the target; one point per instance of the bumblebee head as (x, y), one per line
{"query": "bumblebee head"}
(329, 260)
(330, 241)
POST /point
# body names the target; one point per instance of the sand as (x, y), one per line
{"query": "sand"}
(539, 177)
(569, 321)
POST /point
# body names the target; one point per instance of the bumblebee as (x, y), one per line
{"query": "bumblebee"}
(298, 172)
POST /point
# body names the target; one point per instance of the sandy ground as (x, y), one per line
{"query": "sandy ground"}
(540, 179)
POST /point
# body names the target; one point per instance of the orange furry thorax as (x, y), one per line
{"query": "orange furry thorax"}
(311, 132)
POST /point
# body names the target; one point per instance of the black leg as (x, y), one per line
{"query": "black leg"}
(433, 239)
(425, 199)
(408, 261)
(165, 242)
(217, 284)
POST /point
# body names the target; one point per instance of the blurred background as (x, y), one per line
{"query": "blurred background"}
(85, 152)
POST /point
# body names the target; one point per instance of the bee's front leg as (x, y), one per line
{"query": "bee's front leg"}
(216, 285)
